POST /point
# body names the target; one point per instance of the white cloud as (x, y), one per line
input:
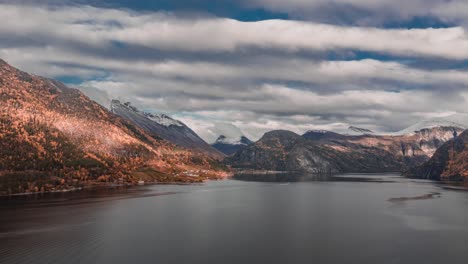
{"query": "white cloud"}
(342, 74)
(100, 27)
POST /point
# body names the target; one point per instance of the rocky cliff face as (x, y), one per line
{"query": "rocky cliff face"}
(450, 162)
(54, 138)
(283, 151)
(393, 153)
(430, 139)
(163, 126)
(323, 150)
(418, 143)
(268, 153)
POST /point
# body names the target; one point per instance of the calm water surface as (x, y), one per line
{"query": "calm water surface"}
(349, 220)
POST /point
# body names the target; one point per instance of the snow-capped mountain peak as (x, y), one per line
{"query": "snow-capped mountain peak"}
(230, 145)
(164, 127)
(242, 140)
(457, 121)
(163, 119)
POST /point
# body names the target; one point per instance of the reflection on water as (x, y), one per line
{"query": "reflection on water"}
(301, 177)
(457, 186)
(278, 177)
(431, 195)
(348, 219)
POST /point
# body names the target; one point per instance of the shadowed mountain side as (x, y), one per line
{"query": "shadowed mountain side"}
(163, 126)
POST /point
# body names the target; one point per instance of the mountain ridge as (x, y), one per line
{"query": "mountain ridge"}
(286, 150)
(165, 127)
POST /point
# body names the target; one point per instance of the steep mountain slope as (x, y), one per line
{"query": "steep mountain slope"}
(268, 153)
(283, 150)
(450, 162)
(163, 126)
(54, 138)
(230, 146)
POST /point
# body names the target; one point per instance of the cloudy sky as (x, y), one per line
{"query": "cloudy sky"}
(252, 65)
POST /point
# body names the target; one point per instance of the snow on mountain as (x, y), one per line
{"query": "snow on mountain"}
(230, 146)
(457, 121)
(242, 140)
(163, 126)
(161, 119)
(164, 120)
(453, 121)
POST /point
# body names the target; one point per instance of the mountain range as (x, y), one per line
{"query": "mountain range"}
(317, 151)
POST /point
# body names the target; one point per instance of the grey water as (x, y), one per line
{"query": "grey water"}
(351, 219)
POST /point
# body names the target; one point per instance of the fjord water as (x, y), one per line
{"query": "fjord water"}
(350, 220)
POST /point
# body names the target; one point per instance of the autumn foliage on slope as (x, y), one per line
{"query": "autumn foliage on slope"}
(450, 162)
(53, 137)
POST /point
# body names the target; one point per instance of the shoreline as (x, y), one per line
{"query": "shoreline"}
(259, 172)
(107, 187)
(448, 185)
